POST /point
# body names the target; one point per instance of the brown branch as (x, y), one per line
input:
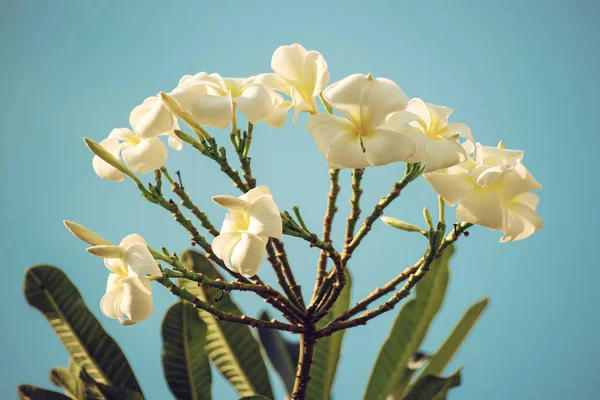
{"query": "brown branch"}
(187, 203)
(287, 272)
(354, 205)
(281, 279)
(305, 360)
(334, 189)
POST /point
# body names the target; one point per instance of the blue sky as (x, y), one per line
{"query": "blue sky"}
(521, 71)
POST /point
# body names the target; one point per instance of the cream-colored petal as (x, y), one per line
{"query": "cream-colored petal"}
(346, 152)
(107, 303)
(147, 156)
(383, 147)
(494, 156)
(288, 63)
(451, 186)
(300, 104)
(219, 243)
(522, 223)
(457, 128)
(215, 111)
(530, 200)
(103, 169)
(122, 134)
(515, 181)
(398, 120)
(481, 207)
(255, 193)
(187, 94)
(485, 176)
(380, 97)
(346, 95)
(419, 107)
(113, 281)
(257, 101)
(264, 216)
(234, 221)
(248, 254)
(231, 203)
(140, 260)
(326, 128)
(278, 116)
(105, 251)
(116, 266)
(151, 118)
(443, 153)
(131, 239)
(274, 82)
(136, 302)
(316, 75)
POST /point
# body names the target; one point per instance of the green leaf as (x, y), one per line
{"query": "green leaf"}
(446, 352)
(28, 392)
(49, 290)
(327, 351)
(282, 353)
(185, 363)
(254, 397)
(231, 347)
(433, 387)
(110, 392)
(391, 373)
(63, 378)
(87, 391)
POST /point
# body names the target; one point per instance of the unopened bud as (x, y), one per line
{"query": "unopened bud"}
(86, 235)
(105, 155)
(176, 110)
(106, 251)
(398, 224)
(428, 219)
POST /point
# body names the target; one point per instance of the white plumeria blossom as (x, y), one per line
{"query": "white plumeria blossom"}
(152, 118)
(213, 100)
(492, 190)
(437, 145)
(300, 74)
(365, 137)
(141, 155)
(128, 295)
(252, 219)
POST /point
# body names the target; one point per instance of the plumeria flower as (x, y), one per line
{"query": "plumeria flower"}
(364, 138)
(252, 219)
(437, 144)
(213, 99)
(141, 155)
(492, 190)
(128, 295)
(300, 74)
(152, 118)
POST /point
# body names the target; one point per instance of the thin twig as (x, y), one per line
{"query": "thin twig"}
(354, 205)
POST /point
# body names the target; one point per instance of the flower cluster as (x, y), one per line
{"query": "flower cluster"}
(367, 121)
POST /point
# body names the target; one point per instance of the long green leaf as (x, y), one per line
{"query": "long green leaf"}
(89, 391)
(63, 378)
(328, 349)
(185, 363)
(231, 347)
(408, 331)
(109, 392)
(254, 397)
(433, 387)
(282, 353)
(28, 392)
(446, 352)
(49, 290)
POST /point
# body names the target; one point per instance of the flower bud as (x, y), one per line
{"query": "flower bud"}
(398, 224)
(106, 251)
(176, 110)
(105, 155)
(428, 219)
(86, 235)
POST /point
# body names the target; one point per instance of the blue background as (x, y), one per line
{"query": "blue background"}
(522, 71)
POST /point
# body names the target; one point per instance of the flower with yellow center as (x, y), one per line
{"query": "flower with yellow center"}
(492, 190)
(364, 138)
(252, 219)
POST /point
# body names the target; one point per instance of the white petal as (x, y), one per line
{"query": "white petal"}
(316, 75)
(107, 303)
(136, 302)
(346, 152)
(140, 260)
(103, 169)
(481, 207)
(215, 111)
(443, 153)
(105, 251)
(383, 147)
(253, 194)
(419, 107)
(531, 200)
(131, 239)
(461, 129)
(256, 102)
(147, 156)
(265, 219)
(151, 119)
(274, 82)
(278, 116)
(234, 221)
(288, 62)
(399, 119)
(301, 103)
(231, 203)
(219, 243)
(122, 134)
(116, 266)
(495, 156)
(380, 98)
(515, 181)
(248, 254)
(345, 96)
(326, 128)
(451, 186)
(188, 93)
(485, 176)
(522, 223)
(174, 142)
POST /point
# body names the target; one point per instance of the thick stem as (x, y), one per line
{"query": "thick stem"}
(305, 360)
